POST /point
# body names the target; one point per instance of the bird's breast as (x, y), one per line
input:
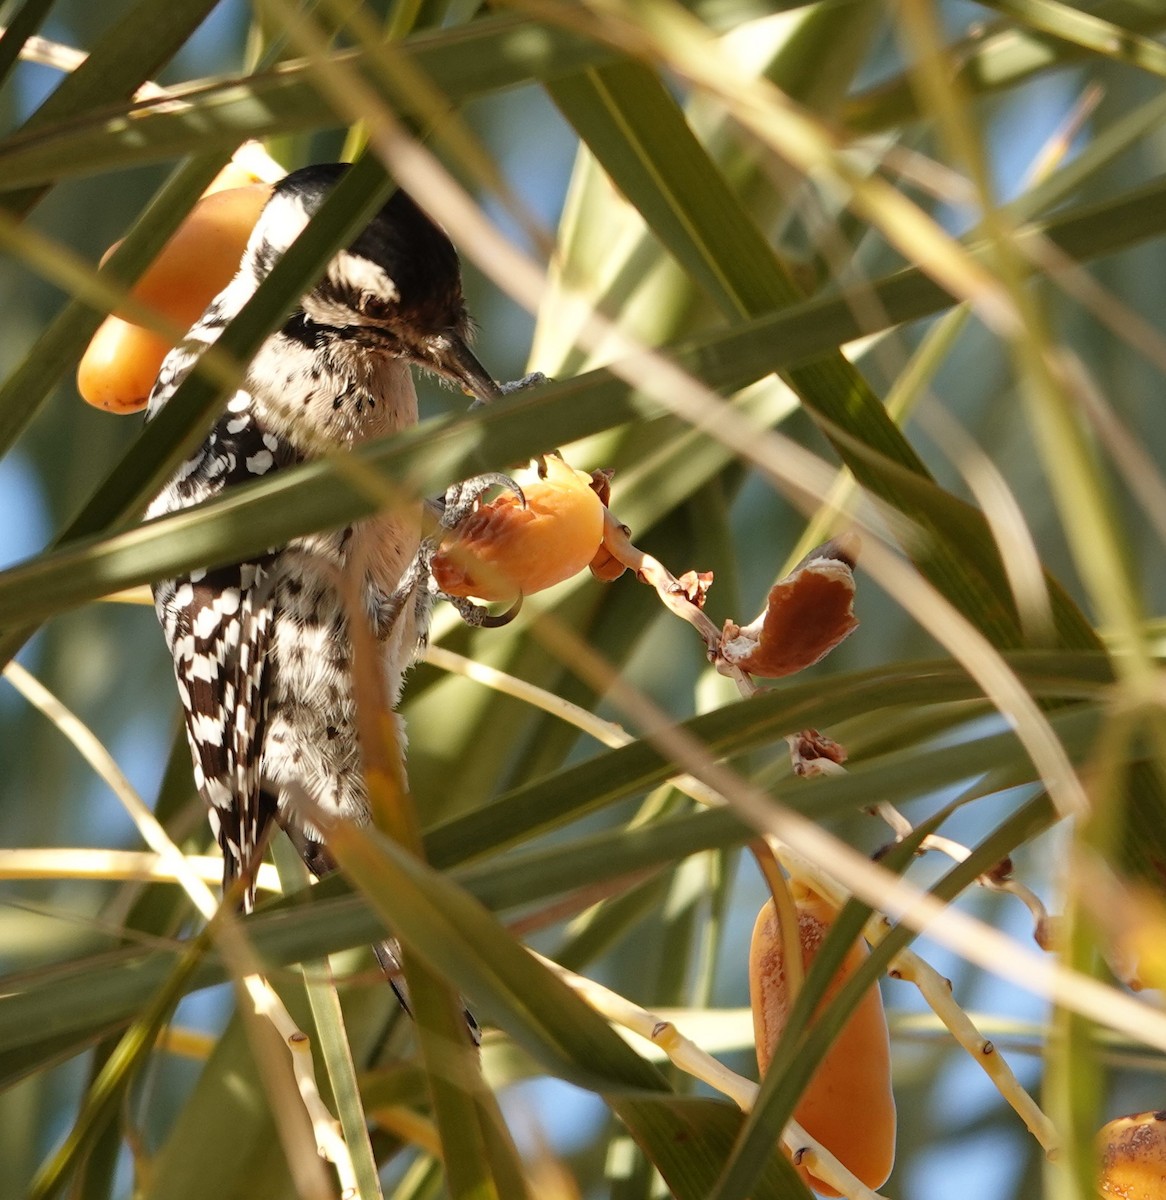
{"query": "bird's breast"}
(331, 397)
(383, 547)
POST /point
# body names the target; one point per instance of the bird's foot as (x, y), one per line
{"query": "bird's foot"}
(519, 385)
(462, 498)
(514, 385)
(460, 501)
(478, 616)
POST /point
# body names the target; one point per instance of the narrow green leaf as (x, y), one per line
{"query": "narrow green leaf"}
(465, 1111)
(985, 62)
(332, 1039)
(689, 1138)
(128, 54)
(449, 931)
(109, 1087)
(485, 55)
(583, 787)
(549, 871)
(639, 135)
(596, 931)
(337, 1055)
(1091, 32)
(20, 28)
(223, 1141)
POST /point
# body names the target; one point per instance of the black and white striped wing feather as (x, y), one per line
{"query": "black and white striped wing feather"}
(218, 624)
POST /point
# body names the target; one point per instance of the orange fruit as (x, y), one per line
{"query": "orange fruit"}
(202, 255)
(848, 1105)
(118, 369)
(1133, 1157)
(503, 550)
(121, 363)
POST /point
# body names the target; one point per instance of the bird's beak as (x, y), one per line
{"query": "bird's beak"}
(457, 362)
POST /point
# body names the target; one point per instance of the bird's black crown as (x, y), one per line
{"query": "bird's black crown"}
(415, 255)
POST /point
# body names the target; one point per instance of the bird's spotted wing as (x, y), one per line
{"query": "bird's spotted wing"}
(218, 624)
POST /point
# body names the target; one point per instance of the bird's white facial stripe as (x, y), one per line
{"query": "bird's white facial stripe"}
(282, 221)
(284, 218)
(352, 273)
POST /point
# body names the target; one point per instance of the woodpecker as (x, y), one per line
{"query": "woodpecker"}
(261, 648)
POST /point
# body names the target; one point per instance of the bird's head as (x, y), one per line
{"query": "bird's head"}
(395, 290)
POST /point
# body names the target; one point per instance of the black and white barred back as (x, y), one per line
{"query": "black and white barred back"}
(261, 648)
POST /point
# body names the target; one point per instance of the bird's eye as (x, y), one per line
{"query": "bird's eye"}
(376, 306)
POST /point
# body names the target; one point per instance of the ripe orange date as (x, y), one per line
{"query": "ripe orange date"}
(848, 1105)
(503, 549)
(119, 367)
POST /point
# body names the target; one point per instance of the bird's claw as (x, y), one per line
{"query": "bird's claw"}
(479, 617)
(514, 385)
(461, 498)
(518, 385)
